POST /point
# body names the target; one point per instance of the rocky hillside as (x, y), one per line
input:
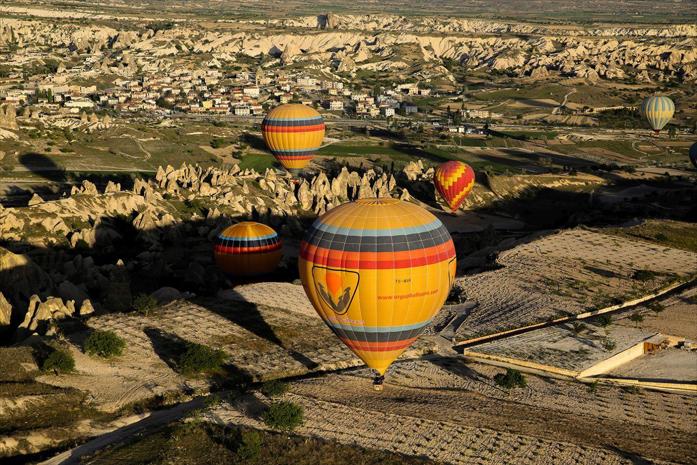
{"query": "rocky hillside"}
(353, 43)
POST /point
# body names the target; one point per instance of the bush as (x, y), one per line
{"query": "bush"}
(274, 388)
(59, 361)
(636, 318)
(104, 344)
(144, 304)
(609, 344)
(604, 320)
(250, 446)
(656, 307)
(644, 275)
(199, 358)
(511, 379)
(457, 294)
(217, 143)
(284, 416)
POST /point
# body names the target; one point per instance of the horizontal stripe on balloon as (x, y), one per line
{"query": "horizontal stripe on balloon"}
(222, 236)
(378, 346)
(382, 336)
(363, 232)
(300, 129)
(395, 243)
(377, 329)
(222, 249)
(291, 158)
(377, 260)
(293, 121)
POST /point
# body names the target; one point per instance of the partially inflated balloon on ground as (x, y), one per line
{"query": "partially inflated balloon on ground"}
(693, 154)
(247, 249)
(658, 111)
(293, 133)
(377, 271)
(454, 180)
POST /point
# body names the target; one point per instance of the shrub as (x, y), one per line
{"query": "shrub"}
(636, 318)
(250, 446)
(284, 416)
(199, 358)
(656, 307)
(644, 275)
(511, 379)
(609, 344)
(604, 320)
(104, 344)
(217, 143)
(457, 294)
(593, 387)
(144, 304)
(59, 361)
(578, 327)
(274, 388)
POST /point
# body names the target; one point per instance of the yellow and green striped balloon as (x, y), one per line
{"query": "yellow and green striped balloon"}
(658, 111)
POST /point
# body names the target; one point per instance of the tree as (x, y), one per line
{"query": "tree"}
(672, 132)
(104, 344)
(284, 416)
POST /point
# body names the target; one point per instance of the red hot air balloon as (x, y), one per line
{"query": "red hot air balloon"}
(454, 180)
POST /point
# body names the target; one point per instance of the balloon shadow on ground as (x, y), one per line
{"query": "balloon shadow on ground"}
(247, 315)
(170, 347)
(43, 165)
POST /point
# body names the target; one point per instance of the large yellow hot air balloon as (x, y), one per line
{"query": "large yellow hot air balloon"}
(658, 111)
(293, 133)
(377, 271)
(247, 249)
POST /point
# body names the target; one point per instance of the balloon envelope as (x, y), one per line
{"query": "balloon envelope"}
(693, 154)
(377, 271)
(247, 249)
(293, 133)
(454, 180)
(658, 111)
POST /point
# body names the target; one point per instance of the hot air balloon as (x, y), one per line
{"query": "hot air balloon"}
(693, 154)
(658, 111)
(454, 180)
(293, 133)
(247, 249)
(377, 271)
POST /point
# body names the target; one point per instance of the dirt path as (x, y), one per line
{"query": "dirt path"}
(563, 104)
(150, 424)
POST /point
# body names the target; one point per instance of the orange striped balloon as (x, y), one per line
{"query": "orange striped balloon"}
(454, 180)
(247, 249)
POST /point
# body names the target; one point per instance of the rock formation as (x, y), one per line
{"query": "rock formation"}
(8, 116)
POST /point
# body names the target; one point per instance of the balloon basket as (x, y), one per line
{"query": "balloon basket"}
(378, 385)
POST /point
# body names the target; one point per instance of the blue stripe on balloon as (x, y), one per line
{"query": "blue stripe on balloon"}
(377, 232)
(378, 329)
(247, 239)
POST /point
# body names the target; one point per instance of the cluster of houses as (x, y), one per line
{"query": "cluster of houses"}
(212, 91)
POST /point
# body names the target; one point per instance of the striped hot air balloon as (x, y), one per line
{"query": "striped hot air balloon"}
(693, 154)
(247, 249)
(454, 180)
(658, 111)
(377, 271)
(293, 133)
